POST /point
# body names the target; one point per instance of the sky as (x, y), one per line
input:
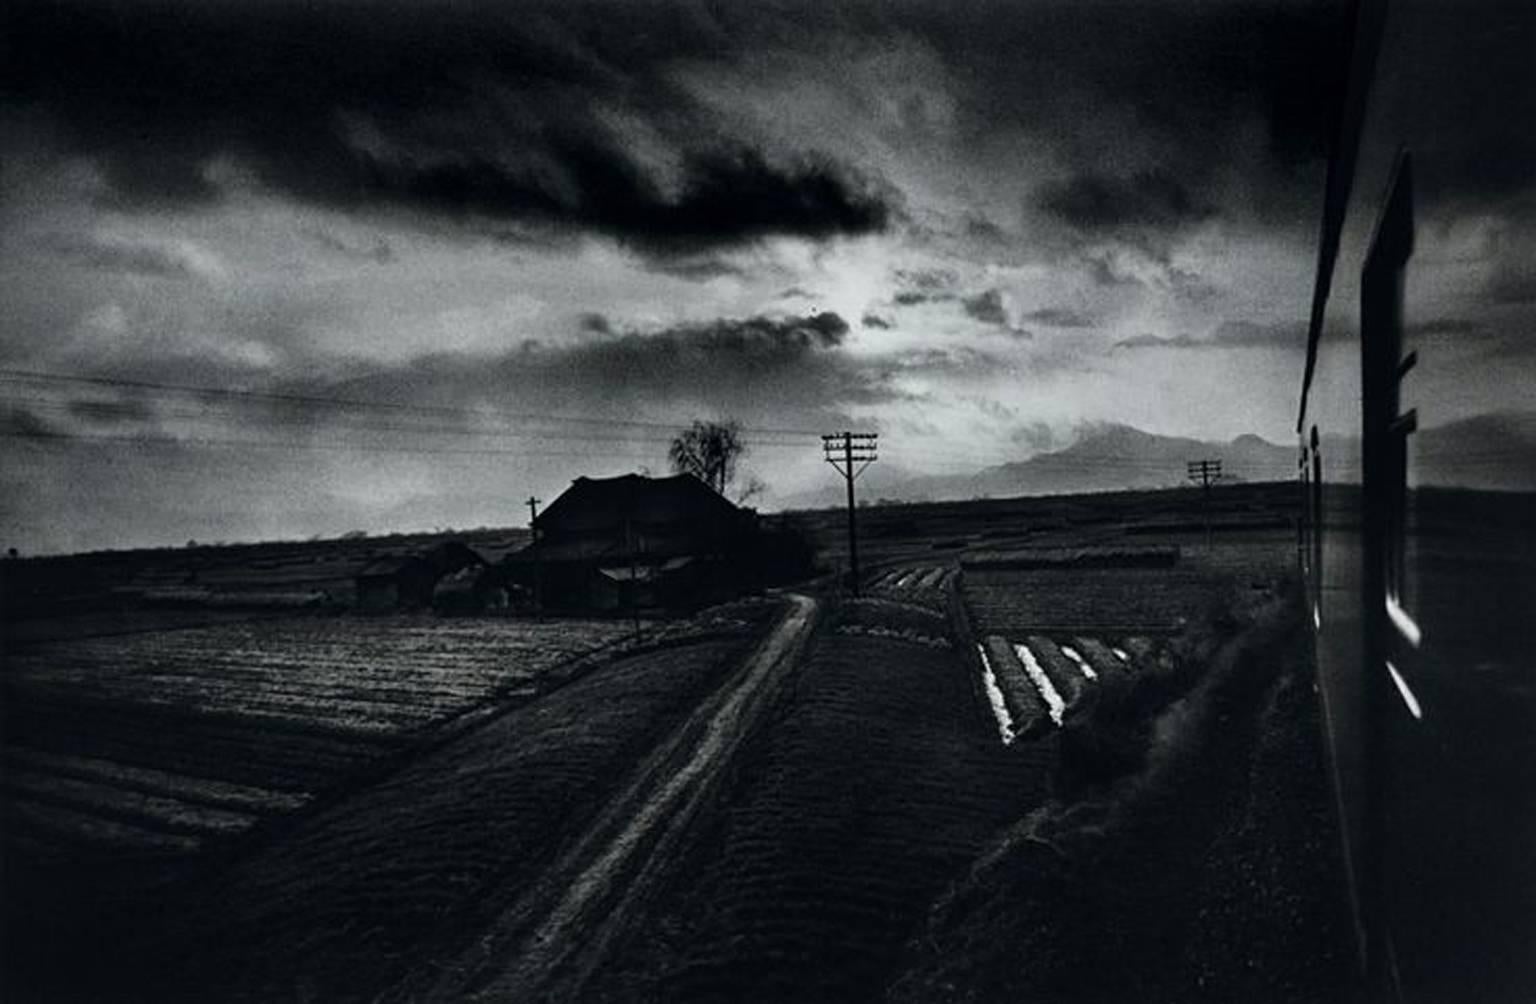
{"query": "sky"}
(353, 264)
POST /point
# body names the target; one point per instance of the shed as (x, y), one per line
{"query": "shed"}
(395, 581)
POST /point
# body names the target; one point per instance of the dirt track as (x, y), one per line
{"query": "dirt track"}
(875, 785)
(568, 938)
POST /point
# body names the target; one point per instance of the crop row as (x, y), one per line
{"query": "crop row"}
(1038, 681)
(878, 783)
(424, 858)
(924, 585)
(1130, 600)
(200, 733)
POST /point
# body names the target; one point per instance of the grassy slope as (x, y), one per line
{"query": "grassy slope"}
(1210, 873)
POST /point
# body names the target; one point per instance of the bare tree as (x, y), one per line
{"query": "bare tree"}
(709, 451)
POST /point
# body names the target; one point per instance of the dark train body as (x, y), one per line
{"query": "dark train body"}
(1417, 425)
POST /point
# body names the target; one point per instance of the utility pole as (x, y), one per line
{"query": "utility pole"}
(538, 561)
(850, 453)
(1205, 473)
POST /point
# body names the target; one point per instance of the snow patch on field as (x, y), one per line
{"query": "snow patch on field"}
(995, 698)
(1082, 664)
(1053, 700)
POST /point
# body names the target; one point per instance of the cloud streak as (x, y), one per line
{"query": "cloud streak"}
(146, 256)
(1227, 335)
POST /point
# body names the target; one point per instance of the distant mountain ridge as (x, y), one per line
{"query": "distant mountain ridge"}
(1107, 458)
(1494, 451)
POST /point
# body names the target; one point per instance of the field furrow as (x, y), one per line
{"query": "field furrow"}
(875, 787)
(217, 794)
(211, 728)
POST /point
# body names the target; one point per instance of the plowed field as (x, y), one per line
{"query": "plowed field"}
(131, 765)
(877, 785)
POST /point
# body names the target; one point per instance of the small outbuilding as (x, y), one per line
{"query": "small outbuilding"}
(475, 589)
(394, 582)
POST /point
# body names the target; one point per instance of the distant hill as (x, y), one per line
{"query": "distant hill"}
(1494, 451)
(1107, 458)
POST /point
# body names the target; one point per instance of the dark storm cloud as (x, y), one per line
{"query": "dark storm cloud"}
(1472, 89)
(984, 230)
(986, 307)
(1096, 202)
(103, 412)
(754, 343)
(463, 110)
(1059, 317)
(875, 321)
(694, 268)
(18, 422)
(916, 286)
(763, 365)
(573, 116)
(1104, 271)
(1165, 92)
(594, 323)
(725, 196)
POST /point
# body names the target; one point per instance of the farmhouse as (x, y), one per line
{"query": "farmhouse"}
(634, 541)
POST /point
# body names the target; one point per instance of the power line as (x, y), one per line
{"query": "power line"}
(72, 408)
(755, 442)
(908, 451)
(302, 447)
(339, 402)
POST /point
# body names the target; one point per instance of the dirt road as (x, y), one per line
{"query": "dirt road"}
(548, 942)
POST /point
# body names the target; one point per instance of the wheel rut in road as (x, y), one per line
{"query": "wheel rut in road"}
(879, 783)
(367, 899)
(550, 940)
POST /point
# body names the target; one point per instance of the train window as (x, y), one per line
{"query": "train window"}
(1303, 514)
(1386, 432)
(1317, 528)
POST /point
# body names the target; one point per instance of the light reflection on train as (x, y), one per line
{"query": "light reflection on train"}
(1418, 471)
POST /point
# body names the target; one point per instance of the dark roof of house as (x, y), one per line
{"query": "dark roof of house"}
(597, 503)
